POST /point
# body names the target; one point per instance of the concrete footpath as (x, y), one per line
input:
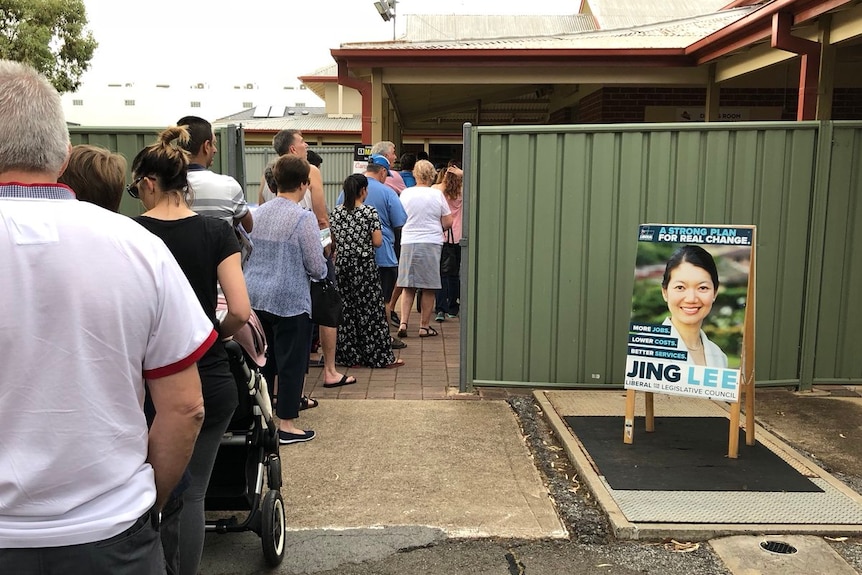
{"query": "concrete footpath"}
(388, 475)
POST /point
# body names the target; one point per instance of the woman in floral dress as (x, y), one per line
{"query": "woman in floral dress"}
(363, 335)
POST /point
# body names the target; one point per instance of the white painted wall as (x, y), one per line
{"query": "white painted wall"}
(106, 105)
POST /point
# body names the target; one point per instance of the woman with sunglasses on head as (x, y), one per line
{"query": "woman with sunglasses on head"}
(208, 253)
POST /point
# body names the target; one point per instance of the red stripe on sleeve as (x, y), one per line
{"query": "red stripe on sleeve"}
(183, 363)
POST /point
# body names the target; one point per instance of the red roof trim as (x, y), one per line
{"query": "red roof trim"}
(304, 131)
(741, 3)
(321, 79)
(757, 26)
(514, 58)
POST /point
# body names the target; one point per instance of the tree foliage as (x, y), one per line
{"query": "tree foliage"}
(50, 36)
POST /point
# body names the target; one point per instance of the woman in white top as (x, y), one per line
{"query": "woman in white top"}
(689, 287)
(428, 215)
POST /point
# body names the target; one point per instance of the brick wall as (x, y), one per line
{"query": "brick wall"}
(847, 104)
(590, 109)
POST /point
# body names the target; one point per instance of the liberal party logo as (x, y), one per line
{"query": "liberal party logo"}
(647, 234)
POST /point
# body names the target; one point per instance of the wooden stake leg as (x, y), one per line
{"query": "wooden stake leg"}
(629, 431)
(650, 411)
(749, 413)
(733, 434)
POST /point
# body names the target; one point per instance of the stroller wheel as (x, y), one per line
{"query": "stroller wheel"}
(272, 532)
(273, 471)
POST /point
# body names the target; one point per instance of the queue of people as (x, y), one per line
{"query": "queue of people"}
(134, 378)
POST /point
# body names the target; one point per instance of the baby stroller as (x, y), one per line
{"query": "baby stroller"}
(248, 453)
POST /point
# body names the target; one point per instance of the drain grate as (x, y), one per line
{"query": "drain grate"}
(778, 547)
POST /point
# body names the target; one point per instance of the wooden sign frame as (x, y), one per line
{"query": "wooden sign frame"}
(746, 370)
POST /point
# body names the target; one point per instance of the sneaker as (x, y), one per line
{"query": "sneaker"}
(394, 319)
(451, 315)
(440, 316)
(398, 344)
(285, 438)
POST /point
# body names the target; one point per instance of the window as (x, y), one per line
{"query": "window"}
(196, 104)
(301, 105)
(248, 105)
(130, 102)
(77, 102)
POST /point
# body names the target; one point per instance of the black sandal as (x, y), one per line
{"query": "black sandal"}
(429, 332)
(402, 330)
(306, 402)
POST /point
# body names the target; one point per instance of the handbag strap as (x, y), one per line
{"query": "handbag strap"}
(450, 236)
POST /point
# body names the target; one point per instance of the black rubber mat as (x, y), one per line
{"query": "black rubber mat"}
(682, 454)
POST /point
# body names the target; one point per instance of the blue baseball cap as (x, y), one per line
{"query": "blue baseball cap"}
(380, 161)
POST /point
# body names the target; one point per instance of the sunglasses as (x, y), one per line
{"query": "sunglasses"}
(132, 188)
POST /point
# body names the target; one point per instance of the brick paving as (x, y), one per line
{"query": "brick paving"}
(430, 371)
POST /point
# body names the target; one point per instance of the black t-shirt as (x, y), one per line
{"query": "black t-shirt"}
(199, 244)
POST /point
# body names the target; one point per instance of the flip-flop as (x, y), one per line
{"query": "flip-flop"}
(345, 380)
(306, 402)
(402, 330)
(429, 332)
(394, 364)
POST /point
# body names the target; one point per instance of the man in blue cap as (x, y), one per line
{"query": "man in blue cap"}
(387, 150)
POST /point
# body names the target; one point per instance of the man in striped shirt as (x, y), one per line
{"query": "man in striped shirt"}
(214, 194)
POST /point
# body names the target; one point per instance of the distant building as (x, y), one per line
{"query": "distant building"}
(131, 103)
(337, 122)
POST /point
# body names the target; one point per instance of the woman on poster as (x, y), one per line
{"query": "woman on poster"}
(689, 286)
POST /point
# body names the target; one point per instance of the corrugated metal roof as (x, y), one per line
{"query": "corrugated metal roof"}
(431, 27)
(628, 13)
(248, 113)
(326, 71)
(310, 123)
(672, 34)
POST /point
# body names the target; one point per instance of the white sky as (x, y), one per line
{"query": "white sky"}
(260, 41)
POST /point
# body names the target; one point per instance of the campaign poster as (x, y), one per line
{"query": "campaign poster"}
(361, 153)
(688, 310)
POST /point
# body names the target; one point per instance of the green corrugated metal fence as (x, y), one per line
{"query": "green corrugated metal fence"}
(129, 141)
(245, 164)
(552, 235)
(337, 165)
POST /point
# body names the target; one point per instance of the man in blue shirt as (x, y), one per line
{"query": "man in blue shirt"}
(392, 218)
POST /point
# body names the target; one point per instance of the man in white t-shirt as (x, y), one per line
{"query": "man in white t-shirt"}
(215, 194)
(94, 308)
